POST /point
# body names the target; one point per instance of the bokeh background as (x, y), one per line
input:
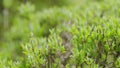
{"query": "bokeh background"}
(14, 27)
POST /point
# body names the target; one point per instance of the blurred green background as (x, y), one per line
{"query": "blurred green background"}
(16, 26)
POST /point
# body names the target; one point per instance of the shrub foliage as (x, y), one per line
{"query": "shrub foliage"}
(86, 35)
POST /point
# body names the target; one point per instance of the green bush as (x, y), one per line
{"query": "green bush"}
(79, 36)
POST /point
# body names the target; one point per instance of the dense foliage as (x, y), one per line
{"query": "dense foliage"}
(60, 34)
